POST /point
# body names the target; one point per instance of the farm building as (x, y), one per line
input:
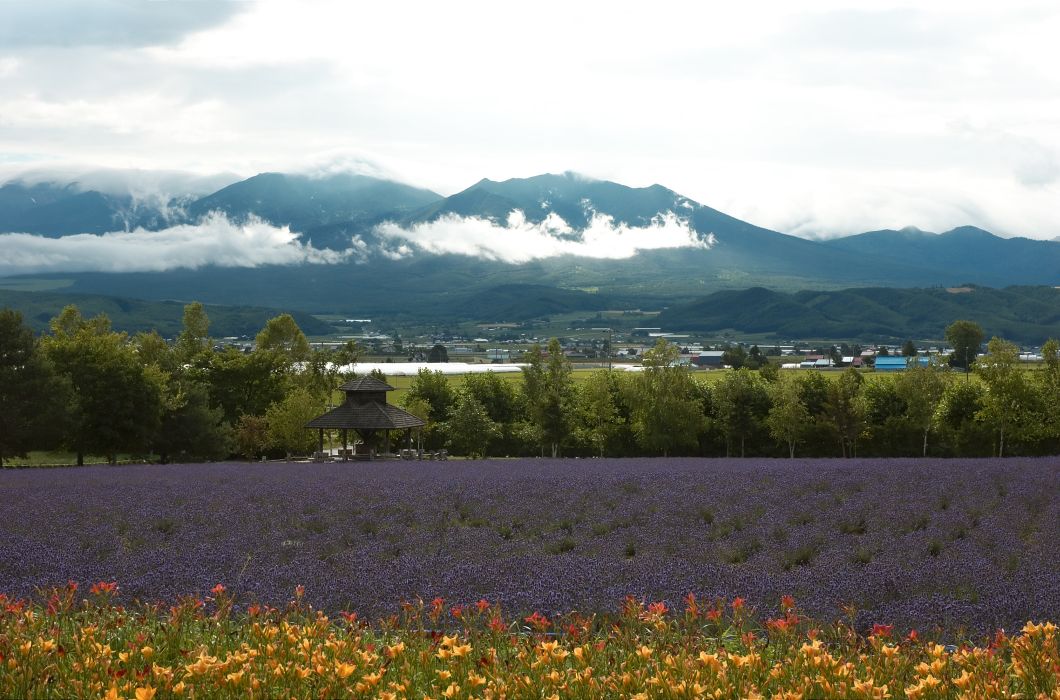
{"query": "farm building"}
(899, 363)
(708, 358)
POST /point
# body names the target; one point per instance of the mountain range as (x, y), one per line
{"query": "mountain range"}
(403, 251)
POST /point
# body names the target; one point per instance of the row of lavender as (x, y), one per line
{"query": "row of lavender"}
(921, 543)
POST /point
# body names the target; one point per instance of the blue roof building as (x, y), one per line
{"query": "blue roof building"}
(899, 363)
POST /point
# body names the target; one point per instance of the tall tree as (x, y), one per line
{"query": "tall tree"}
(788, 419)
(469, 427)
(434, 388)
(252, 436)
(243, 384)
(909, 349)
(31, 396)
(283, 335)
(964, 337)
(195, 337)
(548, 390)
(190, 429)
(598, 417)
(1009, 403)
(741, 403)
(117, 405)
(922, 389)
(286, 422)
(1050, 388)
(956, 419)
(845, 411)
(667, 414)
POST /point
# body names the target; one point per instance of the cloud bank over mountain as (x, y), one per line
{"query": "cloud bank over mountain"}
(521, 241)
(221, 242)
(214, 241)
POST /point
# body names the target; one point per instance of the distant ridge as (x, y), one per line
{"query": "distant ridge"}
(400, 276)
(1024, 314)
(135, 315)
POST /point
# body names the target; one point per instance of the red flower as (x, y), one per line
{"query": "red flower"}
(350, 617)
(657, 609)
(538, 621)
(218, 589)
(691, 607)
(482, 605)
(879, 630)
(787, 603)
(457, 612)
(913, 636)
(737, 603)
(714, 615)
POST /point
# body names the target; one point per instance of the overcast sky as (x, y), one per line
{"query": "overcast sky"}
(833, 119)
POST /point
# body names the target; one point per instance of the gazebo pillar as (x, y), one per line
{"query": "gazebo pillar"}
(345, 443)
(320, 441)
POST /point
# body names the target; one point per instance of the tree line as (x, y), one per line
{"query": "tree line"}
(91, 390)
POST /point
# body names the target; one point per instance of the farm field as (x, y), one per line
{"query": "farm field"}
(954, 545)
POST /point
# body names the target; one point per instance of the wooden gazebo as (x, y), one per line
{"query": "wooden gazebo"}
(366, 411)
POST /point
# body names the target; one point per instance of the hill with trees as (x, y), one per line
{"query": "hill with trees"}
(1025, 314)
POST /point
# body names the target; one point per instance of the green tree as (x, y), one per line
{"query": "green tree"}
(964, 337)
(888, 427)
(734, 356)
(438, 353)
(190, 429)
(242, 383)
(152, 349)
(666, 412)
(496, 395)
(755, 358)
(252, 436)
(1050, 389)
(325, 371)
(788, 419)
(922, 389)
(1009, 405)
(956, 419)
(116, 405)
(548, 390)
(741, 404)
(287, 419)
(598, 418)
(769, 371)
(469, 427)
(32, 398)
(283, 335)
(434, 388)
(909, 349)
(195, 337)
(844, 411)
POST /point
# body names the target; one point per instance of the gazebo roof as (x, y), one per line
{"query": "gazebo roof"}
(367, 416)
(365, 384)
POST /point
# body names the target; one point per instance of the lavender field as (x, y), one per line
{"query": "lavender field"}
(920, 543)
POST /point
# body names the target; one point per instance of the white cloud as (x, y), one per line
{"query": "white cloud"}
(215, 241)
(521, 241)
(686, 94)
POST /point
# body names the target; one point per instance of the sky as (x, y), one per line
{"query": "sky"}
(818, 119)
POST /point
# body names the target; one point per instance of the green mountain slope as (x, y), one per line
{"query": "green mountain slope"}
(969, 253)
(328, 209)
(1025, 314)
(134, 315)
